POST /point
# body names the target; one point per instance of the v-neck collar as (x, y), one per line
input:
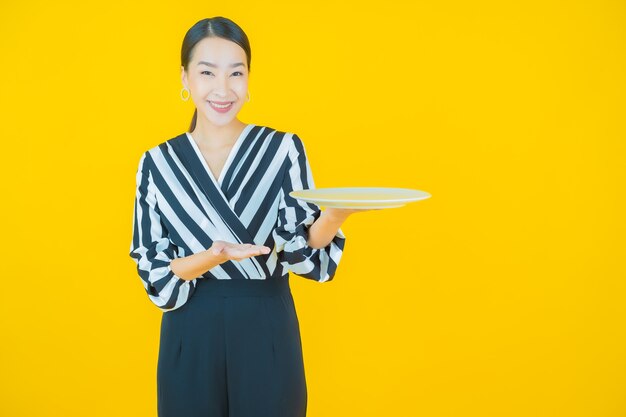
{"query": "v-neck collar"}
(229, 158)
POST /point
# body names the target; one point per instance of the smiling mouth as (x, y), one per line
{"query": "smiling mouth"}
(221, 105)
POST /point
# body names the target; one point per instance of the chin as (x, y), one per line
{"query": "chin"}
(224, 120)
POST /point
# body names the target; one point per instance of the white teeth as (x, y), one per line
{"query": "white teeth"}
(220, 106)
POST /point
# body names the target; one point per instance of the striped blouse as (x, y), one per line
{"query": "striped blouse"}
(180, 209)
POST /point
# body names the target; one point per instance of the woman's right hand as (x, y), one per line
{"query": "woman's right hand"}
(237, 251)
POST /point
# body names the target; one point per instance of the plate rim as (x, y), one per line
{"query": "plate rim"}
(424, 195)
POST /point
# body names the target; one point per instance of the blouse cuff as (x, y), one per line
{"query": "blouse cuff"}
(298, 250)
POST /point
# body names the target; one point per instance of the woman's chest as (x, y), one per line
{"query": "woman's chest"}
(199, 190)
(241, 193)
(216, 159)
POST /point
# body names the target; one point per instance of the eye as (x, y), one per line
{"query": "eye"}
(204, 72)
(238, 72)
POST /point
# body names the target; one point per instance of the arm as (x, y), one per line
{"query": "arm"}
(191, 266)
(325, 228)
(221, 251)
(169, 277)
(153, 251)
(295, 219)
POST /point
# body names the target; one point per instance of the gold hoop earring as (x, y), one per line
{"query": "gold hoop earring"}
(181, 94)
(248, 96)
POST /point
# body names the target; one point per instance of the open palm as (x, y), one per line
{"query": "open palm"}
(237, 251)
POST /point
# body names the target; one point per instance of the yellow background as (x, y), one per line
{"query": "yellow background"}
(502, 295)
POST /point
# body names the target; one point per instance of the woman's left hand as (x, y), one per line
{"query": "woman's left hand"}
(323, 230)
(343, 212)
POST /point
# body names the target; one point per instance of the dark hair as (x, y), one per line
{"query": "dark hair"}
(217, 26)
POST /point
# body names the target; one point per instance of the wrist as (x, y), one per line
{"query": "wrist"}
(218, 258)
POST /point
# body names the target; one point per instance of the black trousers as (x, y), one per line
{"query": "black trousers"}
(233, 350)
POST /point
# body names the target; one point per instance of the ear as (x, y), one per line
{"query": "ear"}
(183, 76)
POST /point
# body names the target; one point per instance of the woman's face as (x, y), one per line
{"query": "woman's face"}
(217, 73)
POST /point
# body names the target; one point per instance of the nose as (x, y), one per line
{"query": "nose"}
(221, 86)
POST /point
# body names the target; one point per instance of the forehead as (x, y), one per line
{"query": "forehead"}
(218, 50)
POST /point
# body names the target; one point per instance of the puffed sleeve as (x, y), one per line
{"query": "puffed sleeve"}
(294, 219)
(152, 249)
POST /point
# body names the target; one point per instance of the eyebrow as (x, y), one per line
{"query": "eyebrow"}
(209, 64)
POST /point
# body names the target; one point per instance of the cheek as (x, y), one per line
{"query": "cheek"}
(240, 85)
(197, 86)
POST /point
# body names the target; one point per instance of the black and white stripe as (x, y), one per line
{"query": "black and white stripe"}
(180, 209)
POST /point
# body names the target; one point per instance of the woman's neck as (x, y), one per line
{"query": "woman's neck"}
(210, 135)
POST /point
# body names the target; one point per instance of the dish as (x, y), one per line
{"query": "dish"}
(360, 197)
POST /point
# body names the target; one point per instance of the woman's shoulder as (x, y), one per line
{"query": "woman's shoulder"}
(273, 133)
(164, 144)
(148, 155)
(284, 134)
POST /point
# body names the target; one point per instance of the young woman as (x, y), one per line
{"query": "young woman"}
(215, 236)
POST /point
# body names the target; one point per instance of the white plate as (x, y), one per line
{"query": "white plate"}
(360, 197)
